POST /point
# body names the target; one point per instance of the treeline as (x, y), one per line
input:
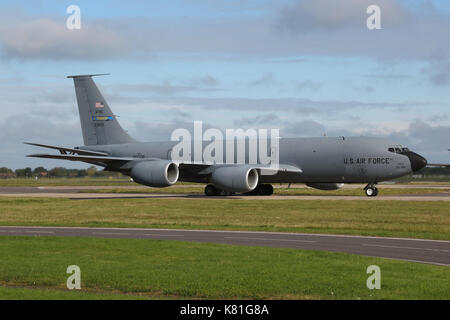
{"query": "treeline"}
(435, 171)
(58, 172)
(61, 172)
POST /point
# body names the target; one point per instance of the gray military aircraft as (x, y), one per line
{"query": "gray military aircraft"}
(324, 163)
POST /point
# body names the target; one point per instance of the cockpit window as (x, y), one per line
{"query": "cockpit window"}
(398, 149)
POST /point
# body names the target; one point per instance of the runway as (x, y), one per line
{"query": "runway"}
(82, 193)
(413, 250)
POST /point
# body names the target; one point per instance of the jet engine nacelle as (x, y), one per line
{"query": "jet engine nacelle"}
(158, 173)
(235, 178)
(325, 186)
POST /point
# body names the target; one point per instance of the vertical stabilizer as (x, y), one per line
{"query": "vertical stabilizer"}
(98, 124)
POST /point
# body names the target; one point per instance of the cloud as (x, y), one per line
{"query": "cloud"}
(280, 105)
(305, 128)
(17, 129)
(339, 28)
(260, 120)
(320, 27)
(429, 137)
(208, 81)
(330, 15)
(439, 72)
(45, 38)
(264, 80)
(165, 89)
(308, 85)
(365, 89)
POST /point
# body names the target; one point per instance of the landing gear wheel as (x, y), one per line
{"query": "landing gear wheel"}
(261, 190)
(210, 190)
(371, 191)
(266, 190)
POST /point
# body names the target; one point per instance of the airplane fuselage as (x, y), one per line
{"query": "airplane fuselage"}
(244, 162)
(324, 159)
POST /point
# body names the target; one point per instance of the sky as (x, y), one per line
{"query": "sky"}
(308, 68)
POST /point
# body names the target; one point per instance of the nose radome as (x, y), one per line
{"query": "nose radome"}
(417, 161)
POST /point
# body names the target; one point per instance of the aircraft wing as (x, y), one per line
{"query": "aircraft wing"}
(102, 159)
(280, 168)
(208, 168)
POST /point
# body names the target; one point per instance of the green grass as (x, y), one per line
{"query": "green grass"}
(50, 293)
(147, 190)
(277, 191)
(171, 269)
(356, 192)
(428, 220)
(70, 182)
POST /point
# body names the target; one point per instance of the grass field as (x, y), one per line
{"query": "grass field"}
(427, 220)
(277, 191)
(69, 182)
(35, 267)
(64, 182)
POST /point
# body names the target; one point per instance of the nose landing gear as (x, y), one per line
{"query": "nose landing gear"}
(371, 190)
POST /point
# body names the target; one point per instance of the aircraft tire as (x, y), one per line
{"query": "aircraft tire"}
(376, 192)
(266, 190)
(371, 191)
(210, 191)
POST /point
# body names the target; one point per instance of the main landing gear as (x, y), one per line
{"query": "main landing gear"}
(262, 190)
(211, 190)
(371, 190)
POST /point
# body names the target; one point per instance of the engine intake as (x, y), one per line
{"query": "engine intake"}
(158, 173)
(235, 178)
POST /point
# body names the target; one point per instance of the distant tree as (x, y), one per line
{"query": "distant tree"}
(28, 172)
(58, 172)
(24, 173)
(82, 173)
(91, 171)
(6, 173)
(38, 171)
(5, 170)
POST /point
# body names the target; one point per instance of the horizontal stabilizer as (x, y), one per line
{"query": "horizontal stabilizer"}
(88, 75)
(86, 158)
(64, 150)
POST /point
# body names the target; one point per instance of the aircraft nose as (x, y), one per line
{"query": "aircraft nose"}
(417, 161)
